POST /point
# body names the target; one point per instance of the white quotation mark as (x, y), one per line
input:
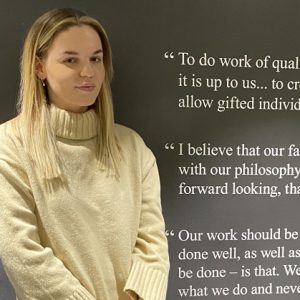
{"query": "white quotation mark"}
(169, 146)
(169, 55)
(169, 232)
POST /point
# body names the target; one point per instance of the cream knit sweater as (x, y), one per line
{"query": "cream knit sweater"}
(97, 238)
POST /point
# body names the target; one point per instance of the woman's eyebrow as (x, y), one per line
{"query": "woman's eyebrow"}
(76, 53)
(98, 51)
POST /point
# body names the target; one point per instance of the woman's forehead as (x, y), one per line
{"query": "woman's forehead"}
(81, 38)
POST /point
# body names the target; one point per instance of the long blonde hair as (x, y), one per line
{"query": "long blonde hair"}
(35, 128)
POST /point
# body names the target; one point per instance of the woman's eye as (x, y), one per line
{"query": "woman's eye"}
(96, 59)
(70, 60)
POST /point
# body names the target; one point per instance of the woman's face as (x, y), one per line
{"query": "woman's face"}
(73, 68)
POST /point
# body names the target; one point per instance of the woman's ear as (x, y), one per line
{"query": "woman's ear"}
(39, 68)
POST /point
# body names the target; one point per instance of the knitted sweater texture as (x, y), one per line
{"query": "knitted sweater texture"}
(96, 238)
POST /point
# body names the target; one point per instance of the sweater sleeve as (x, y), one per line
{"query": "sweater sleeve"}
(149, 272)
(34, 271)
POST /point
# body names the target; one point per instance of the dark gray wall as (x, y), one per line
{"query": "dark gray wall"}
(146, 94)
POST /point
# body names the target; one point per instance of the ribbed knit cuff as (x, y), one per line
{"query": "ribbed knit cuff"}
(81, 294)
(148, 283)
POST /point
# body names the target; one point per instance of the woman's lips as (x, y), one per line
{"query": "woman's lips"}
(86, 88)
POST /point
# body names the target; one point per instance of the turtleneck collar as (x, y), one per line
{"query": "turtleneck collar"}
(75, 126)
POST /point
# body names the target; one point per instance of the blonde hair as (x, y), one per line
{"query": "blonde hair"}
(32, 105)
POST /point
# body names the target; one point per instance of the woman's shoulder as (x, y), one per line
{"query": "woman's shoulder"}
(131, 143)
(9, 133)
(126, 135)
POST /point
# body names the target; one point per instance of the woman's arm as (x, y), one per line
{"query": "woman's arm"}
(34, 271)
(150, 262)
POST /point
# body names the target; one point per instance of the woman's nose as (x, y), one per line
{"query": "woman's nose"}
(87, 70)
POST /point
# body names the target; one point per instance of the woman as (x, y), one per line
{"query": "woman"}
(80, 215)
